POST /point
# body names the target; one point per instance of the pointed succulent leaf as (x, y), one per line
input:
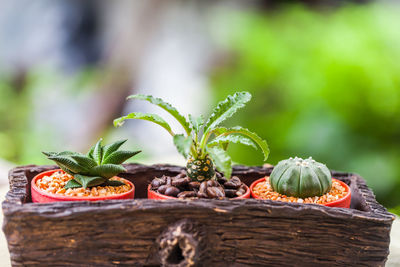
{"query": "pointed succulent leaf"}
(167, 107)
(107, 170)
(183, 144)
(110, 148)
(113, 183)
(243, 131)
(64, 153)
(118, 157)
(67, 153)
(84, 161)
(90, 152)
(49, 154)
(89, 181)
(221, 160)
(144, 116)
(234, 138)
(226, 108)
(68, 163)
(196, 122)
(72, 184)
(65, 170)
(98, 152)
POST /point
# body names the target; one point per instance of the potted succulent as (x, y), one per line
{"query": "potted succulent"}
(85, 177)
(302, 181)
(204, 145)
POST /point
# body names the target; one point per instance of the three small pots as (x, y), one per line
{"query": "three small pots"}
(40, 196)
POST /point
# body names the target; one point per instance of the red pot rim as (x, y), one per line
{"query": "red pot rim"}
(68, 198)
(151, 194)
(330, 204)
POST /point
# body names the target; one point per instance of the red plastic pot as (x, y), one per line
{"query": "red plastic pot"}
(151, 194)
(343, 202)
(40, 196)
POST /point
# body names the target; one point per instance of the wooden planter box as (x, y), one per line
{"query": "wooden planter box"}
(144, 232)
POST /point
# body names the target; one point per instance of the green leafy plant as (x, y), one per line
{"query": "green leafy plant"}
(204, 143)
(96, 167)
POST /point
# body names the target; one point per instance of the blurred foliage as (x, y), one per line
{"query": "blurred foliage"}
(26, 99)
(325, 84)
(22, 133)
(14, 105)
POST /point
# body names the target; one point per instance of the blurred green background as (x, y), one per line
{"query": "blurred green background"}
(325, 81)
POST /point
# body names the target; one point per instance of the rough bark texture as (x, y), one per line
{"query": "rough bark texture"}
(144, 232)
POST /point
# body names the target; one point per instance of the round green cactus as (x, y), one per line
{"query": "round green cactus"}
(302, 178)
(200, 169)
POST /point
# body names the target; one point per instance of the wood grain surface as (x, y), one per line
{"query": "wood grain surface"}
(236, 232)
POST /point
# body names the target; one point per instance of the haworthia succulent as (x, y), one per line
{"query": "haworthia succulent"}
(107, 170)
(111, 148)
(84, 161)
(89, 181)
(118, 157)
(96, 167)
(72, 184)
(98, 152)
(69, 163)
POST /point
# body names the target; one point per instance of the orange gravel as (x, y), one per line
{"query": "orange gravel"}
(264, 191)
(55, 183)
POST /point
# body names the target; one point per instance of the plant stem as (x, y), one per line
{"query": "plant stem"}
(204, 140)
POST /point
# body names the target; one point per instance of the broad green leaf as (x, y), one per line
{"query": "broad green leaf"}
(167, 107)
(221, 160)
(110, 148)
(196, 122)
(72, 184)
(113, 183)
(89, 181)
(118, 157)
(240, 130)
(107, 170)
(84, 161)
(98, 152)
(144, 116)
(67, 163)
(234, 138)
(225, 109)
(220, 130)
(183, 144)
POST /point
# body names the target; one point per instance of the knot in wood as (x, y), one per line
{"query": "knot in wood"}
(182, 244)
